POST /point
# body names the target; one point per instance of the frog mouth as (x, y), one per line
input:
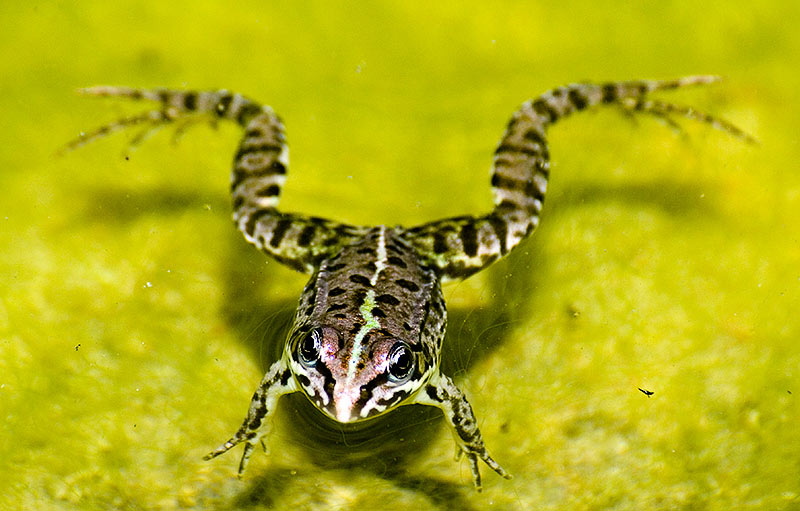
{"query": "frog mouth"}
(347, 401)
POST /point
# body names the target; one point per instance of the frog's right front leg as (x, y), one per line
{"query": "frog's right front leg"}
(443, 393)
(277, 382)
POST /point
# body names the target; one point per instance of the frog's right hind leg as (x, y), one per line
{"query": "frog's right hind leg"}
(259, 169)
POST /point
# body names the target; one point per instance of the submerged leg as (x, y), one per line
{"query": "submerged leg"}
(150, 119)
(460, 246)
(443, 393)
(277, 382)
(665, 111)
(259, 168)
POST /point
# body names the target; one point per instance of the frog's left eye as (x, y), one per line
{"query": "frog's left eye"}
(308, 348)
(401, 363)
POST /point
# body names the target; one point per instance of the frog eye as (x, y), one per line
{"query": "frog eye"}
(308, 348)
(401, 363)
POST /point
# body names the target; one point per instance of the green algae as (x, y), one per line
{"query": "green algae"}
(135, 323)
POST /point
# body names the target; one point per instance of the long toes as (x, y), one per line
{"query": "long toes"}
(476, 474)
(227, 446)
(496, 466)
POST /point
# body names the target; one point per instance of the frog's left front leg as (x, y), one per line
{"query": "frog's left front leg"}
(443, 393)
(277, 382)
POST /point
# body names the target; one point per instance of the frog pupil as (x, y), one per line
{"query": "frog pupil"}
(400, 362)
(309, 349)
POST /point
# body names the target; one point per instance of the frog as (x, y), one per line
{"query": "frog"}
(368, 330)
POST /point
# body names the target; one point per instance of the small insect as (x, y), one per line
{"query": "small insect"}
(647, 393)
(367, 334)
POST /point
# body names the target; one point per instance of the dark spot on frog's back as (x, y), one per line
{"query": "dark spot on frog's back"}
(359, 296)
(336, 291)
(387, 299)
(394, 248)
(335, 267)
(407, 284)
(360, 280)
(396, 261)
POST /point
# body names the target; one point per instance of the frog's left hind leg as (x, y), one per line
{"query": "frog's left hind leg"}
(460, 246)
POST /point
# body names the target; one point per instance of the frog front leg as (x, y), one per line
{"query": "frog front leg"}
(277, 382)
(443, 393)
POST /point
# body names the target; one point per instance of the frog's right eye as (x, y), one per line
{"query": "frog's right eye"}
(308, 348)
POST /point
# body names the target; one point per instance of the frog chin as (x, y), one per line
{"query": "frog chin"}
(344, 412)
(346, 408)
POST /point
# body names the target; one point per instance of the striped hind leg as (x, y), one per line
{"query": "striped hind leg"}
(259, 169)
(461, 246)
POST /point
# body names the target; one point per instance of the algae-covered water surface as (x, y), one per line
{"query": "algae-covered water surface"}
(135, 322)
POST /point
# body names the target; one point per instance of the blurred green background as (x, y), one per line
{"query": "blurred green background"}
(135, 323)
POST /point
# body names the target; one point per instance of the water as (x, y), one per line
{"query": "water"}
(135, 323)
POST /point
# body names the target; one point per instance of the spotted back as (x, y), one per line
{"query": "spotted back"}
(368, 329)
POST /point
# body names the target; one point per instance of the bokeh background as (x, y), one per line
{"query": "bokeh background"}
(135, 322)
